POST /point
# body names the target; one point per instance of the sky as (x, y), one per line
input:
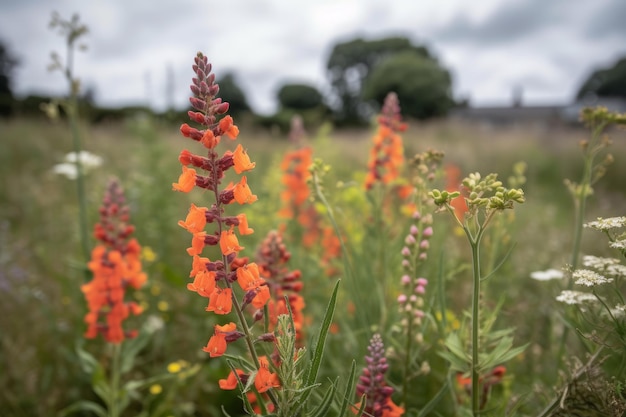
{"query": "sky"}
(545, 48)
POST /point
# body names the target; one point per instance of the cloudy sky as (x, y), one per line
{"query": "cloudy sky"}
(545, 47)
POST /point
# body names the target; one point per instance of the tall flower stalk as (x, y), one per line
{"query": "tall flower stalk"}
(215, 279)
(115, 265)
(72, 30)
(485, 198)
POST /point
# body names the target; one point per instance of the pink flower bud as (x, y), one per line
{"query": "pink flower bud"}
(406, 280)
(402, 298)
(414, 230)
(428, 232)
(422, 281)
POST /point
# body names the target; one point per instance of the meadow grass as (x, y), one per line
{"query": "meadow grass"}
(41, 267)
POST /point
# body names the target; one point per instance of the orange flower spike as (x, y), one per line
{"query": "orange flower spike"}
(265, 379)
(226, 125)
(186, 181)
(221, 301)
(229, 242)
(242, 160)
(243, 225)
(196, 219)
(242, 192)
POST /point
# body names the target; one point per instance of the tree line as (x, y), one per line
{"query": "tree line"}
(360, 74)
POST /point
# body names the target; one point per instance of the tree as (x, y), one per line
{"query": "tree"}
(422, 85)
(8, 62)
(350, 63)
(299, 97)
(606, 82)
(233, 94)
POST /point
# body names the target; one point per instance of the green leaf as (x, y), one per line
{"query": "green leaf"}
(87, 362)
(321, 338)
(433, 402)
(359, 413)
(324, 406)
(456, 364)
(95, 408)
(100, 384)
(453, 342)
(349, 392)
(246, 403)
(131, 349)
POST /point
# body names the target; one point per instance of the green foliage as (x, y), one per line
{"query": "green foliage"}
(299, 97)
(422, 85)
(606, 82)
(351, 62)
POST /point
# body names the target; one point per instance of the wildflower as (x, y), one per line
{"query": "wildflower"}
(116, 265)
(265, 379)
(174, 367)
(156, 389)
(242, 160)
(589, 278)
(218, 343)
(230, 382)
(242, 192)
(386, 154)
(69, 168)
(599, 263)
(619, 244)
(608, 223)
(229, 242)
(186, 181)
(220, 301)
(575, 297)
(547, 275)
(372, 383)
(272, 258)
(196, 219)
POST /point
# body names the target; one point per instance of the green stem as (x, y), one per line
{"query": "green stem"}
(114, 397)
(475, 244)
(80, 178)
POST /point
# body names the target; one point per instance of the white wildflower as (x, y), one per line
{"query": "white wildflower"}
(618, 310)
(69, 169)
(619, 244)
(608, 223)
(87, 159)
(589, 278)
(547, 275)
(599, 263)
(616, 271)
(575, 297)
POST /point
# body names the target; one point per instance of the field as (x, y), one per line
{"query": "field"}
(45, 359)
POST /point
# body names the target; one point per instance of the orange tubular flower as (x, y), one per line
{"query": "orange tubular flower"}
(221, 301)
(217, 343)
(116, 265)
(265, 379)
(186, 181)
(196, 219)
(242, 160)
(242, 192)
(229, 243)
(230, 382)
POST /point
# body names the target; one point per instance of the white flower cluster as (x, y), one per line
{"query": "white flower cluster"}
(608, 223)
(575, 297)
(69, 169)
(599, 263)
(619, 244)
(547, 275)
(589, 278)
